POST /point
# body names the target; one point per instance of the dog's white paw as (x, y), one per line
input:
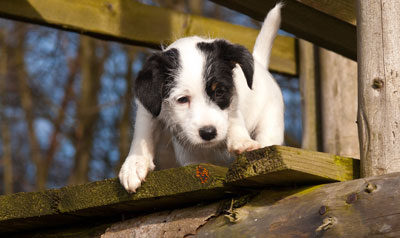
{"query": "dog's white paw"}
(240, 146)
(134, 171)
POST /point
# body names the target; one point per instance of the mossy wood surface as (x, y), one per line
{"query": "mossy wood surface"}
(359, 208)
(282, 165)
(102, 202)
(107, 198)
(368, 207)
(131, 22)
(327, 23)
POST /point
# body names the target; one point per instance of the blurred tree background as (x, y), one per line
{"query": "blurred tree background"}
(66, 107)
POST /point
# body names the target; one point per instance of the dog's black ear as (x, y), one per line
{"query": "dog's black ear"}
(155, 79)
(238, 54)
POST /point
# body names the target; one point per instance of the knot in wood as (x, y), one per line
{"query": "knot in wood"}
(377, 83)
(370, 187)
(109, 6)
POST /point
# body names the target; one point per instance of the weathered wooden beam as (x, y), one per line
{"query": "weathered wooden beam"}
(276, 165)
(76, 204)
(178, 223)
(282, 165)
(378, 86)
(367, 207)
(134, 23)
(360, 208)
(330, 24)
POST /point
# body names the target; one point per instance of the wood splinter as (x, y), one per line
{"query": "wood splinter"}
(232, 215)
(327, 223)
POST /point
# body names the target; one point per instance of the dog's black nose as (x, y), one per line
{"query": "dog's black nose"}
(208, 132)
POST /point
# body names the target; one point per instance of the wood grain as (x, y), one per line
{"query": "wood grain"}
(282, 166)
(338, 77)
(379, 85)
(360, 208)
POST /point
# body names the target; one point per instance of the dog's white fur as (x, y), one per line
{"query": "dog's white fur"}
(253, 120)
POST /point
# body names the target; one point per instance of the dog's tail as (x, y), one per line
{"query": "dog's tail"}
(263, 45)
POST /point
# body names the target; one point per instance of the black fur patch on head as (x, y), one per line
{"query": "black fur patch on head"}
(221, 59)
(156, 78)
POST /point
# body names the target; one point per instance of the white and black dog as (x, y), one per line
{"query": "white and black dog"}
(202, 100)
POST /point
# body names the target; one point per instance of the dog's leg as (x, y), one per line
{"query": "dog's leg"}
(141, 154)
(270, 130)
(238, 139)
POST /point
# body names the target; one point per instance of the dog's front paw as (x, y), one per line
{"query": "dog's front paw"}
(240, 146)
(134, 171)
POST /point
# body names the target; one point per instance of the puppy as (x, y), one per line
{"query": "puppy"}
(203, 100)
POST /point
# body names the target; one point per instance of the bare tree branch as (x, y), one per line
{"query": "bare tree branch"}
(27, 105)
(126, 120)
(49, 157)
(5, 136)
(92, 70)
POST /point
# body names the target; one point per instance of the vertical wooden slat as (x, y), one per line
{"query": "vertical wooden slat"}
(378, 33)
(309, 101)
(338, 78)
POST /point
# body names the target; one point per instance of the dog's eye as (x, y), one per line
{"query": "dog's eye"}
(219, 92)
(183, 100)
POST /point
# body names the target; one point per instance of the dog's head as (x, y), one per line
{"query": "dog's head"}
(190, 87)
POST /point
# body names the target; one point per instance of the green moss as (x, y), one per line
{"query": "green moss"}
(166, 188)
(307, 190)
(351, 166)
(343, 161)
(20, 205)
(256, 163)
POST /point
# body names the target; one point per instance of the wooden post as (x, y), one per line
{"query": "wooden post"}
(378, 34)
(309, 97)
(338, 79)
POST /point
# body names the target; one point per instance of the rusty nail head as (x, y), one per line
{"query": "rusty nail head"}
(322, 210)
(351, 198)
(377, 83)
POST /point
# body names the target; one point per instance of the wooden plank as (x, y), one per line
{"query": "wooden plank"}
(106, 201)
(107, 198)
(134, 23)
(281, 165)
(367, 207)
(378, 86)
(344, 10)
(359, 208)
(327, 23)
